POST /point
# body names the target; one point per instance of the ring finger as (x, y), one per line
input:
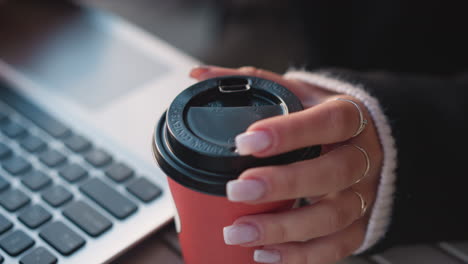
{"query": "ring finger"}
(332, 172)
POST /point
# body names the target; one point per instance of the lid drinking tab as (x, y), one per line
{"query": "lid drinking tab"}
(234, 85)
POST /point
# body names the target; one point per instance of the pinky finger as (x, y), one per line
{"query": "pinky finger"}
(324, 250)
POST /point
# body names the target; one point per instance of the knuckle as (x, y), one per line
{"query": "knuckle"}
(299, 255)
(345, 172)
(267, 175)
(292, 185)
(337, 118)
(281, 180)
(340, 251)
(340, 172)
(281, 233)
(292, 254)
(304, 259)
(336, 219)
(360, 238)
(272, 232)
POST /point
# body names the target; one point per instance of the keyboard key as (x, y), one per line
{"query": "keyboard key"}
(16, 165)
(32, 143)
(119, 172)
(36, 180)
(13, 199)
(62, 238)
(87, 218)
(4, 184)
(13, 130)
(77, 143)
(107, 197)
(16, 243)
(144, 189)
(52, 158)
(5, 224)
(56, 195)
(34, 113)
(34, 216)
(72, 172)
(4, 151)
(38, 255)
(97, 157)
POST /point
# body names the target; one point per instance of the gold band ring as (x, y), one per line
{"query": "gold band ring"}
(363, 203)
(362, 120)
(366, 156)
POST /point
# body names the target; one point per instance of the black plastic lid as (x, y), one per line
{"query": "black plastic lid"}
(194, 139)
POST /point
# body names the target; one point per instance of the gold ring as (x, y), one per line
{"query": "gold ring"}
(362, 120)
(363, 203)
(366, 156)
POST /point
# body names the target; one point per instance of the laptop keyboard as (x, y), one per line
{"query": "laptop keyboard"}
(43, 165)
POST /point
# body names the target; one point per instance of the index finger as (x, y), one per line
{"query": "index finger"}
(330, 122)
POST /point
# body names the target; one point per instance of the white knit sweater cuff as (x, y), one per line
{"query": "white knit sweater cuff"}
(381, 212)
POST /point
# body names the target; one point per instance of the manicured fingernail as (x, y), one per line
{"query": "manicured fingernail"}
(198, 71)
(240, 234)
(252, 142)
(267, 256)
(245, 190)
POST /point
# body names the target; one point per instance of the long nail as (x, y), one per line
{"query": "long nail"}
(198, 71)
(252, 142)
(240, 234)
(267, 256)
(245, 190)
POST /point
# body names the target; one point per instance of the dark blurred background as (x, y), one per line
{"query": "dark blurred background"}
(266, 34)
(393, 35)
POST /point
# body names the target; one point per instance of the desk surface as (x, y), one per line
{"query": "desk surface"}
(163, 247)
(160, 247)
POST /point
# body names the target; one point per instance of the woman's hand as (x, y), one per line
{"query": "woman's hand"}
(341, 184)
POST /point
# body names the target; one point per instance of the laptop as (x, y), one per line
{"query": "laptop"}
(80, 93)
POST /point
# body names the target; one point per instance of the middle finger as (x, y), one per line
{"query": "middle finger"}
(332, 172)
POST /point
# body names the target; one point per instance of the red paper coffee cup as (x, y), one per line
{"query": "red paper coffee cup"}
(194, 145)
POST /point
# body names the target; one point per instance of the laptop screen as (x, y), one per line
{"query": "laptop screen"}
(74, 56)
